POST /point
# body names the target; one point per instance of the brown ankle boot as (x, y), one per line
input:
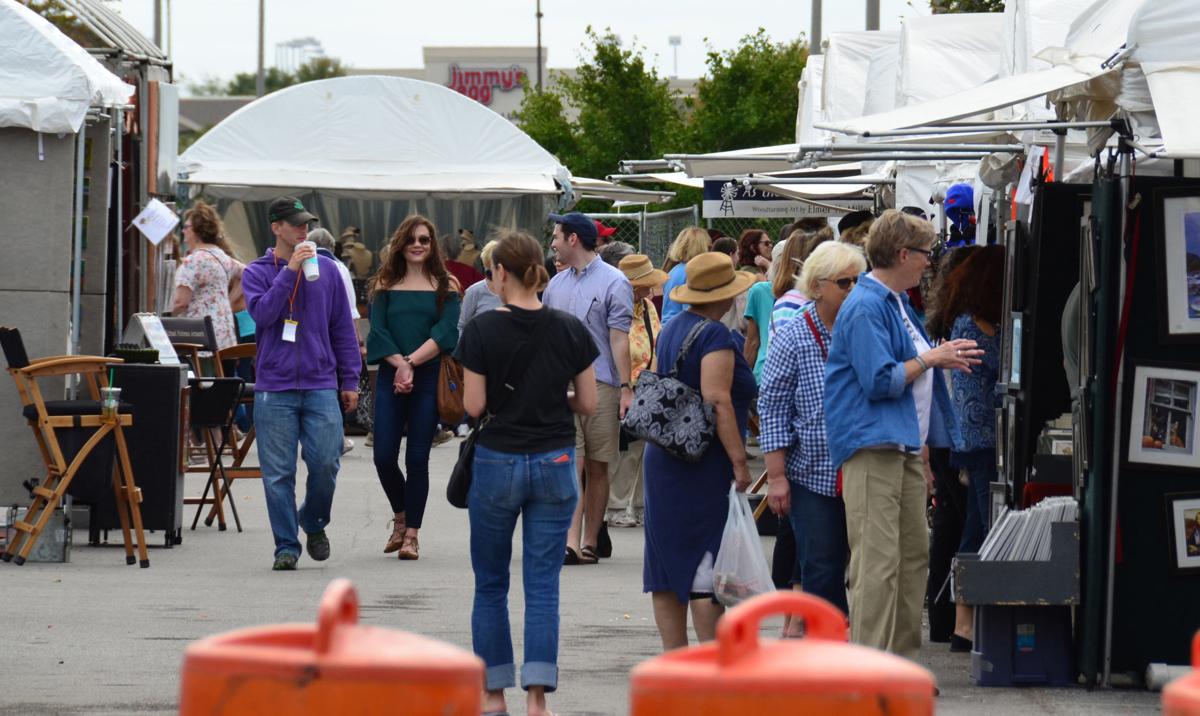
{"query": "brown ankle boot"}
(397, 539)
(410, 550)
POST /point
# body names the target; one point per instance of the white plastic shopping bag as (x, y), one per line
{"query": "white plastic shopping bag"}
(741, 570)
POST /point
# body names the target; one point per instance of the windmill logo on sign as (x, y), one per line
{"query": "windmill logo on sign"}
(728, 192)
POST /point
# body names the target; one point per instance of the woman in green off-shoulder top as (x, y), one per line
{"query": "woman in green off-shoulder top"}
(414, 319)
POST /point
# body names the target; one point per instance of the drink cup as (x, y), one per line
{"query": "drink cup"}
(110, 398)
(312, 270)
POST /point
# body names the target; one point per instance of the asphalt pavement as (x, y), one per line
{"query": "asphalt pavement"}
(94, 636)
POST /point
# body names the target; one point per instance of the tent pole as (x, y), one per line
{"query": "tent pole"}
(1060, 152)
(965, 128)
(118, 130)
(77, 243)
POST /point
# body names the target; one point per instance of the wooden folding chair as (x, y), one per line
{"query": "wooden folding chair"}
(212, 403)
(45, 417)
(239, 446)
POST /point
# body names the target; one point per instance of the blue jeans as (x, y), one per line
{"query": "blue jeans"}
(978, 501)
(819, 522)
(396, 414)
(312, 418)
(541, 489)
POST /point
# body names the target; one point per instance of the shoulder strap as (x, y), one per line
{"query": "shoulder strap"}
(812, 326)
(519, 359)
(687, 344)
(646, 320)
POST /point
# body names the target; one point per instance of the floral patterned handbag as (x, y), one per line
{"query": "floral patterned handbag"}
(670, 413)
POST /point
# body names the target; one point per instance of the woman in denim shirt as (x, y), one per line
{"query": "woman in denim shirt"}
(976, 290)
(883, 403)
(801, 482)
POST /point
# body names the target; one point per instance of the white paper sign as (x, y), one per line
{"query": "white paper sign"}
(156, 221)
(148, 327)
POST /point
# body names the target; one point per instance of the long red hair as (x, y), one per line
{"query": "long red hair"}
(393, 270)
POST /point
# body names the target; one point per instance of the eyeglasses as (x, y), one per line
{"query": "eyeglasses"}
(768, 242)
(487, 273)
(422, 240)
(928, 252)
(843, 283)
(187, 226)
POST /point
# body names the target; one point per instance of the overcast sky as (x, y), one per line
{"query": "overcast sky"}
(219, 37)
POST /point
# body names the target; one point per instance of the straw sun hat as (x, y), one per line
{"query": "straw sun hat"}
(640, 272)
(711, 278)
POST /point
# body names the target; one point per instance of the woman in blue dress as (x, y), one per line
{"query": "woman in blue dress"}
(687, 503)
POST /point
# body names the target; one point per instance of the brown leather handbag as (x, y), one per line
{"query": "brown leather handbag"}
(450, 392)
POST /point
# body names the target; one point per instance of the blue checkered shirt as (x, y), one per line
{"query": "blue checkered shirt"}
(791, 409)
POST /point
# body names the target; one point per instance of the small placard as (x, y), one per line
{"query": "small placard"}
(156, 221)
(147, 327)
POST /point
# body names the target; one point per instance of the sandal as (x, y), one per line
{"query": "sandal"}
(570, 558)
(410, 550)
(397, 539)
(588, 555)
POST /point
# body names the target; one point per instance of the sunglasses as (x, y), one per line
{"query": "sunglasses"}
(187, 226)
(843, 283)
(422, 240)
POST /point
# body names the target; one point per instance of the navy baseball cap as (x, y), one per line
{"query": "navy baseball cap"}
(289, 209)
(578, 224)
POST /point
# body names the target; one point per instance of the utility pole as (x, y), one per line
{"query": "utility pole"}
(674, 41)
(814, 45)
(539, 45)
(158, 38)
(872, 14)
(260, 82)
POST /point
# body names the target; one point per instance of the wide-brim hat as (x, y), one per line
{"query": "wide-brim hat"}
(640, 272)
(711, 278)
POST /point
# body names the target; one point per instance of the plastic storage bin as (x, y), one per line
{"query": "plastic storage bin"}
(1022, 645)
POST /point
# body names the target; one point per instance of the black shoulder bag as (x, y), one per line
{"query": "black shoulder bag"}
(460, 477)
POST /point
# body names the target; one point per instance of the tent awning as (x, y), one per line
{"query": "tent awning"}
(608, 191)
(740, 161)
(47, 82)
(1163, 38)
(968, 103)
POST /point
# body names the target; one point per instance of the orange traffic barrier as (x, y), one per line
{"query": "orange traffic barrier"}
(1181, 697)
(818, 674)
(332, 667)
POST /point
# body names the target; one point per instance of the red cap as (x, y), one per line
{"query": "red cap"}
(605, 231)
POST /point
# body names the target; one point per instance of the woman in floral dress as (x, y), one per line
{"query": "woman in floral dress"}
(203, 279)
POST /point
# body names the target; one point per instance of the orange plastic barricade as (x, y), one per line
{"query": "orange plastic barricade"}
(819, 674)
(335, 666)
(1181, 697)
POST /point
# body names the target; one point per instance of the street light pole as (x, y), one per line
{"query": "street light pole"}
(539, 45)
(872, 14)
(158, 24)
(814, 45)
(260, 82)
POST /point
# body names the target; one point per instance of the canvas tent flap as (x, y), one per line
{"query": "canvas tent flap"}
(943, 54)
(847, 69)
(47, 81)
(881, 80)
(608, 191)
(1163, 35)
(741, 161)
(808, 113)
(367, 135)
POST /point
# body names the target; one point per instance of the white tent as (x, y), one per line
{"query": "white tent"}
(942, 54)
(47, 81)
(1164, 37)
(846, 71)
(370, 137)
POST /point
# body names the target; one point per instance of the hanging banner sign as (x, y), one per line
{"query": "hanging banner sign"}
(724, 199)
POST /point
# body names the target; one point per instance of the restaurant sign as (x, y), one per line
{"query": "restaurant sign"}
(478, 83)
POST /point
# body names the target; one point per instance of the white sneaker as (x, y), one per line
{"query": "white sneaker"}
(623, 519)
(462, 430)
(347, 445)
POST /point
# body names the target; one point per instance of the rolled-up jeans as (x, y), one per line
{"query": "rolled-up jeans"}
(541, 489)
(312, 418)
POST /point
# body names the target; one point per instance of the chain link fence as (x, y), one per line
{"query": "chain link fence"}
(733, 227)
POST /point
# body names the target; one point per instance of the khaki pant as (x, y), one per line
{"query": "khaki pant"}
(625, 478)
(884, 492)
(597, 436)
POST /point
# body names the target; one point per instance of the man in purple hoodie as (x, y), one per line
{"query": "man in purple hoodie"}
(307, 353)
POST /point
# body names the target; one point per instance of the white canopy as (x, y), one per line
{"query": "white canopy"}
(943, 54)
(1091, 39)
(808, 112)
(1165, 37)
(362, 136)
(608, 191)
(47, 81)
(847, 67)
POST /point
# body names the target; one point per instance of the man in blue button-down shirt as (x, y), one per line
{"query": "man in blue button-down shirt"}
(598, 295)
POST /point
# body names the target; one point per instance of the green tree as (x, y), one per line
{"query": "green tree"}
(621, 109)
(320, 68)
(210, 86)
(948, 6)
(749, 96)
(244, 83)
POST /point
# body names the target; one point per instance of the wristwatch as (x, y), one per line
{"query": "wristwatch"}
(626, 385)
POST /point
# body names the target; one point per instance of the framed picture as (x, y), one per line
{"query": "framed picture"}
(1183, 524)
(1179, 258)
(1163, 426)
(1014, 362)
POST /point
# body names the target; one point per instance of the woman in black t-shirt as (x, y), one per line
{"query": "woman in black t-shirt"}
(524, 463)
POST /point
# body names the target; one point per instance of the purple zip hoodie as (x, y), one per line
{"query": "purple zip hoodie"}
(325, 355)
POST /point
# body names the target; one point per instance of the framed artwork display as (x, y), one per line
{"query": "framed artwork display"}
(1183, 524)
(1163, 425)
(1178, 244)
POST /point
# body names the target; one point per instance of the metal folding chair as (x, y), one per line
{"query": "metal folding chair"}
(45, 418)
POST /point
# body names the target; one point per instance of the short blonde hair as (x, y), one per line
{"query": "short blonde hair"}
(828, 260)
(895, 230)
(690, 243)
(486, 254)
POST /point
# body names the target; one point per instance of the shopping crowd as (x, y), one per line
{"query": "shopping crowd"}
(865, 376)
